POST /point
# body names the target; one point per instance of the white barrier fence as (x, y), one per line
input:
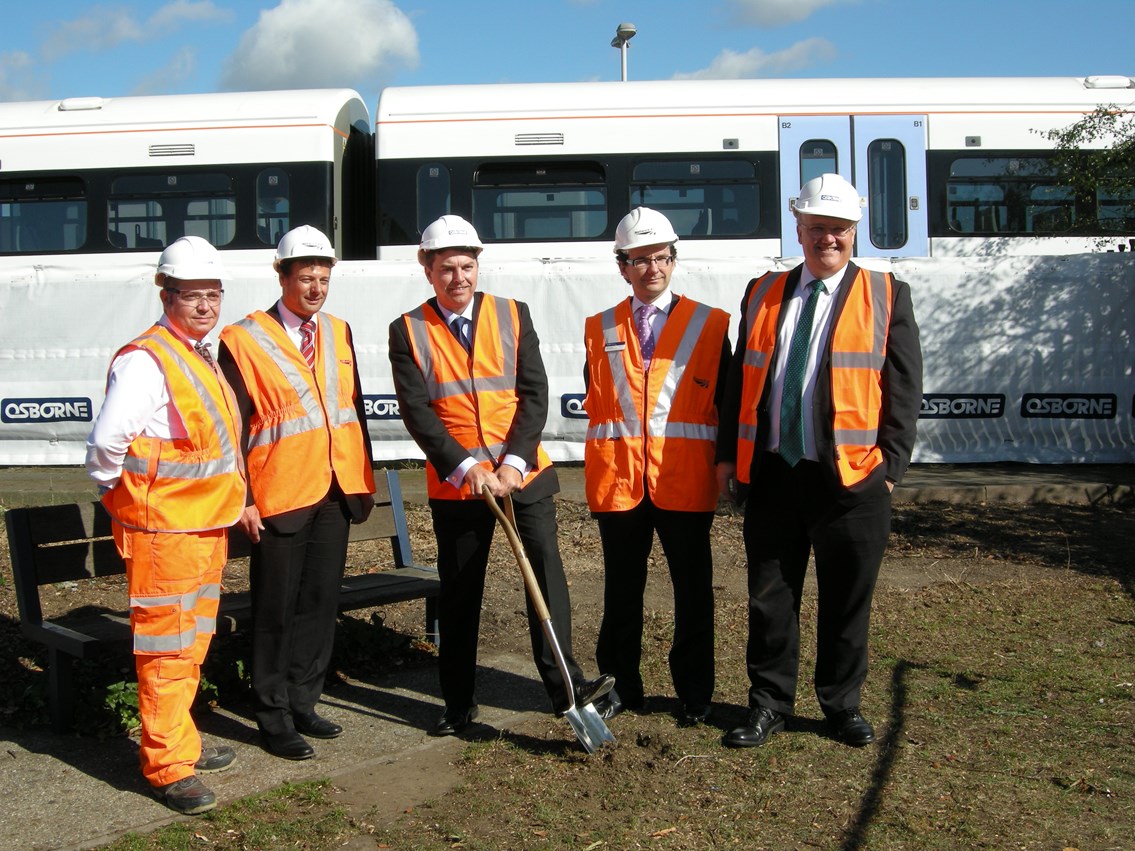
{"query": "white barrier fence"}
(1026, 358)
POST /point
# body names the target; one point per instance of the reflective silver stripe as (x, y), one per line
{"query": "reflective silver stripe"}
(747, 431)
(764, 284)
(611, 431)
(856, 437)
(757, 360)
(630, 426)
(677, 371)
(227, 463)
(466, 386)
(339, 416)
(312, 418)
(880, 322)
(690, 431)
(208, 626)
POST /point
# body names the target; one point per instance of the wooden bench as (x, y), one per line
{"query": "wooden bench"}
(73, 543)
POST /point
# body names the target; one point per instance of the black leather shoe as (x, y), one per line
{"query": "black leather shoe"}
(289, 745)
(693, 714)
(762, 723)
(188, 796)
(315, 726)
(589, 691)
(453, 722)
(215, 759)
(851, 728)
(612, 704)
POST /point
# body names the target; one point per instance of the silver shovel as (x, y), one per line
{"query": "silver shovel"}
(585, 720)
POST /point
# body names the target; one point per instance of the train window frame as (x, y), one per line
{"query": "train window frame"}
(672, 185)
(818, 162)
(888, 219)
(273, 211)
(49, 204)
(1000, 188)
(155, 207)
(540, 201)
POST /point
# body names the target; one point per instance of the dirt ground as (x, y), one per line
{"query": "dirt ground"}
(932, 544)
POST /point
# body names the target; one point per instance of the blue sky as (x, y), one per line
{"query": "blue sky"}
(61, 48)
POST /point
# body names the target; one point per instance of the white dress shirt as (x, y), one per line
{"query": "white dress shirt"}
(821, 328)
(658, 318)
(138, 402)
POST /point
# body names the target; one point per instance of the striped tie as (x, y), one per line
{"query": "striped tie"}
(307, 341)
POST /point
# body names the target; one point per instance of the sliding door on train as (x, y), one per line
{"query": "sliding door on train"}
(883, 155)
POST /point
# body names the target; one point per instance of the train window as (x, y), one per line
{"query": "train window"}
(817, 156)
(886, 193)
(433, 193)
(149, 211)
(540, 201)
(700, 197)
(1115, 209)
(42, 215)
(1007, 196)
(273, 205)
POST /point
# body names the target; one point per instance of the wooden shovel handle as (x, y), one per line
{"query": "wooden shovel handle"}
(507, 523)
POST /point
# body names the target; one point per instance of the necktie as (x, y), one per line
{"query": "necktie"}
(203, 350)
(307, 341)
(461, 329)
(645, 333)
(791, 410)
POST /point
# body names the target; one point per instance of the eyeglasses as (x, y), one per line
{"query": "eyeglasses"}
(643, 263)
(210, 297)
(819, 231)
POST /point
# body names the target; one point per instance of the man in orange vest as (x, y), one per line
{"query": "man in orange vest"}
(295, 375)
(817, 427)
(655, 371)
(165, 453)
(473, 394)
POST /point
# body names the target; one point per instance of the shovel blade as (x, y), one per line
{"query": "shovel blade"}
(589, 727)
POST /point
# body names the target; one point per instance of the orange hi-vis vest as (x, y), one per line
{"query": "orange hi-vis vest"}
(189, 484)
(474, 395)
(305, 426)
(858, 347)
(654, 430)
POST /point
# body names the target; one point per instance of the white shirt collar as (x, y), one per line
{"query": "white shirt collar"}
(290, 320)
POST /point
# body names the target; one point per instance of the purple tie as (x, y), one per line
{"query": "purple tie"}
(645, 335)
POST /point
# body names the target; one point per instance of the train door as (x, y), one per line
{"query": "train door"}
(890, 172)
(810, 145)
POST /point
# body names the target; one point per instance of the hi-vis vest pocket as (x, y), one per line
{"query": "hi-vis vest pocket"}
(161, 627)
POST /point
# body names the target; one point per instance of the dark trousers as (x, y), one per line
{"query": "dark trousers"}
(295, 582)
(628, 537)
(790, 511)
(464, 530)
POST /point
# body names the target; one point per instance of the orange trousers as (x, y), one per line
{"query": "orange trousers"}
(174, 580)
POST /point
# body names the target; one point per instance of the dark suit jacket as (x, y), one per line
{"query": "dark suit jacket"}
(902, 390)
(427, 429)
(359, 505)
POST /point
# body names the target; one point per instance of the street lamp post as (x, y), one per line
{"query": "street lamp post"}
(623, 34)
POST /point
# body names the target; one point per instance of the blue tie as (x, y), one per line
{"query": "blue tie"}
(461, 329)
(791, 412)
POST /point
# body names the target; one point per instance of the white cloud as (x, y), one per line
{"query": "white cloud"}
(17, 77)
(105, 27)
(313, 43)
(730, 65)
(774, 13)
(180, 67)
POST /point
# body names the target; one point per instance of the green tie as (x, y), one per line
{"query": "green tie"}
(791, 413)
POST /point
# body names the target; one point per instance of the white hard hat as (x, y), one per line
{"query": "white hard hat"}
(190, 258)
(829, 195)
(449, 232)
(304, 241)
(643, 226)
